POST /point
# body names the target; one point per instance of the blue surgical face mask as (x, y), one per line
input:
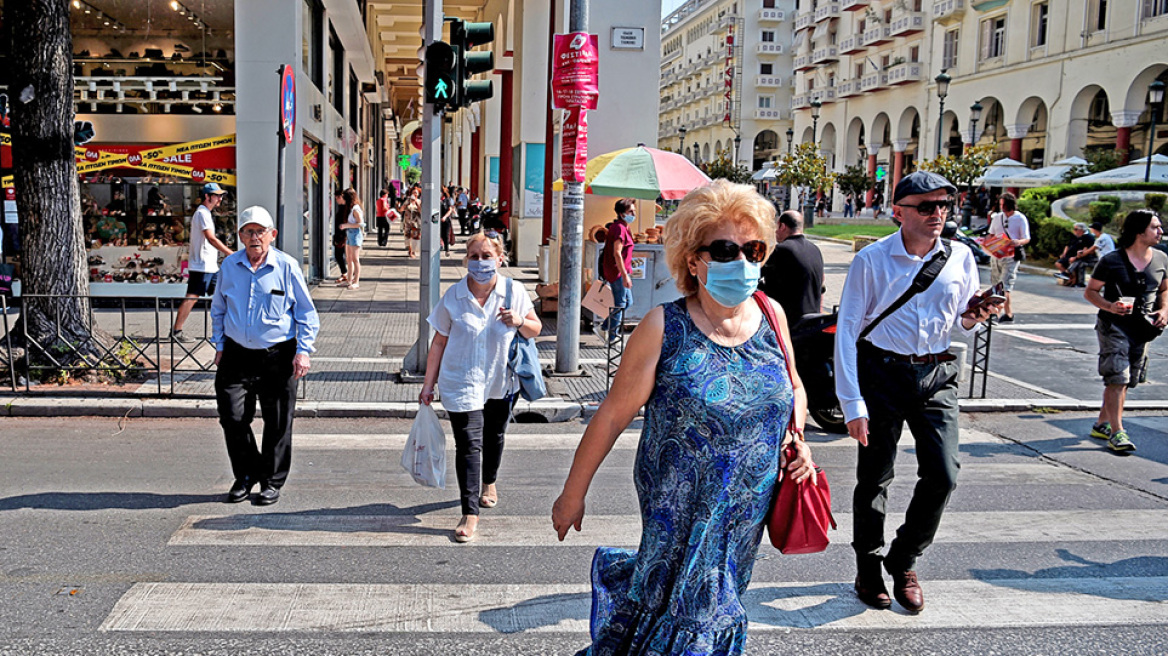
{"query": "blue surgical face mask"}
(481, 271)
(731, 283)
(630, 217)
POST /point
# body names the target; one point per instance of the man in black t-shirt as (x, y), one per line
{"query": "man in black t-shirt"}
(793, 274)
(1130, 288)
(1071, 256)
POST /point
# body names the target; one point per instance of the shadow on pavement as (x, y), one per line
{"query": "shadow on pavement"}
(390, 519)
(548, 610)
(1083, 568)
(104, 501)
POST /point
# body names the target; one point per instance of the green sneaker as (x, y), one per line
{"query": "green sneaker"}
(1120, 442)
(1101, 431)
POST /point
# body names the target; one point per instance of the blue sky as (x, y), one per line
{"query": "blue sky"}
(668, 6)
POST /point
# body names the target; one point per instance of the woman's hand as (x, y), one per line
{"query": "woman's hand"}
(801, 467)
(510, 318)
(567, 512)
(426, 396)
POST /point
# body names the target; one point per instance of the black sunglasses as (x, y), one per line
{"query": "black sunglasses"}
(927, 207)
(724, 250)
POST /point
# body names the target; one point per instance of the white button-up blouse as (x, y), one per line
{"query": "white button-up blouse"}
(474, 364)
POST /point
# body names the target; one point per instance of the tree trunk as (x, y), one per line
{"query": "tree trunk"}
(53, 257)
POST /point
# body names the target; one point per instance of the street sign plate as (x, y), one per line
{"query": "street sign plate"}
(287, 103)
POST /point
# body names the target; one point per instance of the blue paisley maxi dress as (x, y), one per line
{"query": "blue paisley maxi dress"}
(705, 472)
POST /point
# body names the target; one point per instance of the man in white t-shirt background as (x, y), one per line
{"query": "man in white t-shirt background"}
(203, 261)
(1014, 225)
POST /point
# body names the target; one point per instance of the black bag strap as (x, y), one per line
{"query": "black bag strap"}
(920, 283)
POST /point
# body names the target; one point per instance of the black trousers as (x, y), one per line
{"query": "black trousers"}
(925, 397)
(447, 229)
(478, 448)
(382, 230)
(245, 376)
(462, 227)
(339, 256)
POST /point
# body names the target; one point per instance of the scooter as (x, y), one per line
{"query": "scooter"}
(813, 341)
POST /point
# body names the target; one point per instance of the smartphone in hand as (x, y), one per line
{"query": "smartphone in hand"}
(993, 296)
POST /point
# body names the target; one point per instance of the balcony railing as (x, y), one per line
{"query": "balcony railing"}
(769, 48)
(854, 5)
(826, 95)
(824, 55)
(671, 56)
(804, 19)
(801, 101)
(847, 88)
(768, 81)
(771, 15)
(724, 23)
(905, 73)
(851, 45)
(803, 63)
(874, 81)
(907, 22)
(948, 10)
(768, 114)
(875, 35)
(826, 10)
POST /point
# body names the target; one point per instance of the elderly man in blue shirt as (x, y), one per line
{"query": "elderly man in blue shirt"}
(263, 325)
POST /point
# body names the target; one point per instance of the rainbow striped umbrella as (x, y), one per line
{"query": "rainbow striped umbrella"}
(641, 172)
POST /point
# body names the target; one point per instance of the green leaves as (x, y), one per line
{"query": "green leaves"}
(964, 169)
(806, 167)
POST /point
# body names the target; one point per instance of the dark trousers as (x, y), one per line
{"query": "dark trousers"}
(447, 229)
(462, 227)
(478, 448)
(382, 230)
(925, 397)
(243, 377)
(339, 256)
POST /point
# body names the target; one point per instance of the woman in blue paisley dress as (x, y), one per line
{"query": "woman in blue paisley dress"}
(713, 379)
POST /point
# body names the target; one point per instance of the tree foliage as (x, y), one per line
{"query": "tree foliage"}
(962, 169)
(806, 167)
(413, 174)
(854, 181)
(723, 168)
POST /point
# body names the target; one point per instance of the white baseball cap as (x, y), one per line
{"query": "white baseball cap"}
(258, 215)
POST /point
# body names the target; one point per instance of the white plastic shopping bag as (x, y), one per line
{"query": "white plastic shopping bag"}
(425, 453)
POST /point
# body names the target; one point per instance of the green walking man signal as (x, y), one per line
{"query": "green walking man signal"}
(450, 66)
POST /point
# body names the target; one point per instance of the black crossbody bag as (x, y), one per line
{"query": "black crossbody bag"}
(920, 283)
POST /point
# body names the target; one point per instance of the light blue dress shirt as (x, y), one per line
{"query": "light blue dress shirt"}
(262, 308)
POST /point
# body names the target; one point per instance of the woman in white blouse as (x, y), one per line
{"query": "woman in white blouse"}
(468, 361)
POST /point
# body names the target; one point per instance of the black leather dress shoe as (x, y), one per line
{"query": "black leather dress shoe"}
(872, 592)
(268, 495)
(239, 491)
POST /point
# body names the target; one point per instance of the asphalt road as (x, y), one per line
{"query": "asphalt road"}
(116, 541)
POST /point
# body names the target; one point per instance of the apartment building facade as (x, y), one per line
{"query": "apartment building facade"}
(726, 80)
(1054, 78)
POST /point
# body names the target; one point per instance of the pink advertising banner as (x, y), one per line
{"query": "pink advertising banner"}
(574, 148)
(575, 71)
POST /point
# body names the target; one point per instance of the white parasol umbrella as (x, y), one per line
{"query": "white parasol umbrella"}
(768, 172)
(1133, 172)
(1047, 175)
(999, 171)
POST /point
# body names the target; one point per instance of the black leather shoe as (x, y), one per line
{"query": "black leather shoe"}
(268, 495)
(239, 491)
(872, 592)
(908, 591)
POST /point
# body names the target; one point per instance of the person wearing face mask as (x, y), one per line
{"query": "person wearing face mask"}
(712, 374)
(616, 262)
(468, 359)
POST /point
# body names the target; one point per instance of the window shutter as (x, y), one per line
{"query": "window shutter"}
(987, 33)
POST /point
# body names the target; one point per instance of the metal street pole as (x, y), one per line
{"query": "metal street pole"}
(1155, 99)
(415, 362)
(571, 245)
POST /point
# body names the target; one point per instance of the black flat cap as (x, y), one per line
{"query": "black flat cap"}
(920, 182)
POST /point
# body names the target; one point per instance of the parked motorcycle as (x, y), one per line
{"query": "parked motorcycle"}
(951, 231)
(813, 341)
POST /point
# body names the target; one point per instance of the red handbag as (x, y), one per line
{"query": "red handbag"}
(801, 514)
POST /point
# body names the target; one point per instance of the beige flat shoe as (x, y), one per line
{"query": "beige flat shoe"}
(490, 497)
(462, 534)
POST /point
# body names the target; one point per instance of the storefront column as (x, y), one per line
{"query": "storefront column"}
(1124, 121)
(873, 151)
(506, 148)
(898, 148)
(475, 150)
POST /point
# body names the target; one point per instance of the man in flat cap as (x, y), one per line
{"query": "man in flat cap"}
(902, 298)
(263, 325)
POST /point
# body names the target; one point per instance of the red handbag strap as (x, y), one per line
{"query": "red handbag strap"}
(768, 311)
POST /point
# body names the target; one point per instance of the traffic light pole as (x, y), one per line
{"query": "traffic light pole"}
(571, 246)
(431, 179)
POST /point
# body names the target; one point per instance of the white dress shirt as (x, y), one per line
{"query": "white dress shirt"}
(474, 364)
(878, 276)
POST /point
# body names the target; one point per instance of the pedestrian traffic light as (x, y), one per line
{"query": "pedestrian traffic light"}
(465, 35)
(441, 75)
(880, 173)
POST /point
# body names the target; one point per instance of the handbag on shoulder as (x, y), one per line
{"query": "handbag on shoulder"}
(801, 513)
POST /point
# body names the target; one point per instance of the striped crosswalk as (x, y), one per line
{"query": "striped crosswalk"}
(970, 599)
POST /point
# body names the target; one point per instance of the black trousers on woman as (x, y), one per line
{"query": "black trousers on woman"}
(339, 256)
(478, 448)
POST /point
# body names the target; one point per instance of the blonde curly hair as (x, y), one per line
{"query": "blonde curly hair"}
(495, 243)
(700, 212)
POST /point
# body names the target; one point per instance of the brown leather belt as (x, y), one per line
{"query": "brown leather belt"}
(931, 358)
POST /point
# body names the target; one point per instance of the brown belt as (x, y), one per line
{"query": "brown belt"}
(931, 358)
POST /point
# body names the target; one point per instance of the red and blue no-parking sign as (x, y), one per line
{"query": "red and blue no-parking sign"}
(288, 103)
